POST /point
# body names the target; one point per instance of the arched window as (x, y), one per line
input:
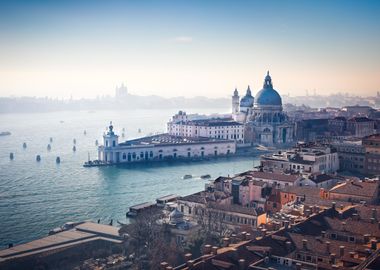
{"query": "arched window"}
(124, 156)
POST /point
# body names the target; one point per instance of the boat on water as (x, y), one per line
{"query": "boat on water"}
(38, 158)
(48, 147)
(95, 163)
(11, 156)
(65, 227)
(5, 133)
(24, 145)
(187, 176)
(205, 176)
(58, 160)
(74, 148)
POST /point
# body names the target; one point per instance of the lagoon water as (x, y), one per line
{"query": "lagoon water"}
(38, 196)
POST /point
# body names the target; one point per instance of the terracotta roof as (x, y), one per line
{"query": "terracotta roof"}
(359, 188)
(275, 176)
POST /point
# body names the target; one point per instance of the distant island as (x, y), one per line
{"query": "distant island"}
(122, 100)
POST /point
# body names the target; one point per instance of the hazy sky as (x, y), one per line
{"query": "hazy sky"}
(189, 48)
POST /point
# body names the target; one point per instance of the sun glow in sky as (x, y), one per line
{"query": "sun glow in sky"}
(188, 48)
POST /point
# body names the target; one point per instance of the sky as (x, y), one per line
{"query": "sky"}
(188, 48)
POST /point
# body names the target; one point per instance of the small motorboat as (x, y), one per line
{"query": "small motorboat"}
(58, 160)
(5, 133)
(205, 176)
(11, 156)
(38, 158)
(74, 148)
(24, 145)
(49, 147)
(187, 176)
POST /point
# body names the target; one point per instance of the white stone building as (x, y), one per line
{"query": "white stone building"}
(216, 128)
(306, 158)
(161, 147)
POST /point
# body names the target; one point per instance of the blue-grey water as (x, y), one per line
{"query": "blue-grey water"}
(38, 196)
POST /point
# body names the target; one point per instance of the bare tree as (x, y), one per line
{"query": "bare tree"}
(148, 242)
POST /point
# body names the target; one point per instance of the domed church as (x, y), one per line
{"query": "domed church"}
(265, 121)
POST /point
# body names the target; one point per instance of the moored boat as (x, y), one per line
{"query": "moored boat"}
(5, 133)
(205, 176)
(187, 176)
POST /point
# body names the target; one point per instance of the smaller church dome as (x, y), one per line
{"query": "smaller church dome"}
(247, 100)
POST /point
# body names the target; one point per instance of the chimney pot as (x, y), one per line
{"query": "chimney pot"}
(226, 241)
(298, 266)
(341, 251)
(366, 238)
(352, 254)
(323, 233)
(248, 235)
(241, 264)
(214, 250)
(188, 256)
(328, 246)
(373, 220)
(374, 244)
(207, 249)
(164, 265)
(333, 205)
(190, 264)
(304, 243)
(374, 213)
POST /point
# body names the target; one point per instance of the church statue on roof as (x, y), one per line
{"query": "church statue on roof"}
(263, 116)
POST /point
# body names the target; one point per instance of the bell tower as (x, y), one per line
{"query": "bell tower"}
(110, 139)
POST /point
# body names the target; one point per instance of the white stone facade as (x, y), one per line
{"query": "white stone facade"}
(161, 147)
(180, 125)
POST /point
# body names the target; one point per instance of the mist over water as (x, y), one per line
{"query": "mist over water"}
(38, 196)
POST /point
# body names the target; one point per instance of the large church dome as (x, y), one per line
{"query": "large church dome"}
(268, 95)
(247, 100)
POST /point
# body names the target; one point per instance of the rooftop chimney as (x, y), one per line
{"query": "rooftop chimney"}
(333, 205)
(163, 265)
(188, 257)
(304, 243)
(328, 246)
(288, 246)
(373, 220)
(332, 258)
(374, 213)
(214, 250)
(207, 249)
(286, 224)
(341, 251)
(226, 241)
(241, 264)
(373, 244)
(323, 233)
(366, 238)
(298, 266)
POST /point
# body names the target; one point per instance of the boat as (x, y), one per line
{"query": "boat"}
(74, 148)
(48, 147)
(51, 139)
(38, 158)
(74, 141)
(5, 133)
(24, 145)
(58, 160)
(187, 176)
(11, 156)
(205, 176)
